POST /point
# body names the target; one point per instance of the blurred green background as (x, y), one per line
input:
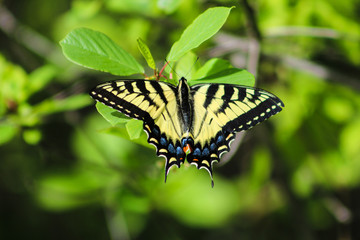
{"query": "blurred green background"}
(65, 175)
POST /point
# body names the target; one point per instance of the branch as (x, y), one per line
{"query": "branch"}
(32, 40)
(322, 72)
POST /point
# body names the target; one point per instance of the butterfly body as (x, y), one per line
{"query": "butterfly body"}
(195, 123)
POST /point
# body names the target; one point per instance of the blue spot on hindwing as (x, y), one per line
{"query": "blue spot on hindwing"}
(171, 148)
(220, 140)
(205, 152)
(197, 153)
(179, 151)
(184, 142)
(163, 142)
(213, 147)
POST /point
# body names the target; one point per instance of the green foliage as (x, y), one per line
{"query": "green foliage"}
(220, 71)
(95, 50)
(203, 27)
(60, 162)
(145, 51)
(17, 114)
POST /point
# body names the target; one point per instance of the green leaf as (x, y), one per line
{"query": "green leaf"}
(115, 118)
(134, 128)
(50, 106)
(211, 67)
(95, 50)
(145, 51)
(201, 29)
(111, 115)
(185, 66)
(228, 76)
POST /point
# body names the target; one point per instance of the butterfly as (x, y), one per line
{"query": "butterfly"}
(196, 123)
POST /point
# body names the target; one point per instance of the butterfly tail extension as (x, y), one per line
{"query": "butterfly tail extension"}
(173, 153)
(203, 157)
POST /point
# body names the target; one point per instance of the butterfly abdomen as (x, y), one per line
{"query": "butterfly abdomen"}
(185, 101)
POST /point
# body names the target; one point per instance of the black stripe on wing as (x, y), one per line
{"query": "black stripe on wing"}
(267, 105)
(115, 93)
(239, 108)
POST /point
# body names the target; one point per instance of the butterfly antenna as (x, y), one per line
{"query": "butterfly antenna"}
(192, 67)
(168, 64)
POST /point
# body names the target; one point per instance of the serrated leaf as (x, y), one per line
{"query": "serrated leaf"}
(201, 29)
(111, 115)
(228, 76)
(145, 51)
(97, 51)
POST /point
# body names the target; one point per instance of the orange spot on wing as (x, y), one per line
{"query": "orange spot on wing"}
(187, 148)
(196, 160)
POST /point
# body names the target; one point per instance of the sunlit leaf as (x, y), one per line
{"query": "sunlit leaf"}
(211, 67)
(95, 50)
(201, 29)
(111, 115)
(134, 128)
(186, 66)
(145, 51)
(229, 76)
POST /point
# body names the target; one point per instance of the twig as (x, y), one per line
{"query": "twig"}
(286, 31)
(322, 72)
(32, 40)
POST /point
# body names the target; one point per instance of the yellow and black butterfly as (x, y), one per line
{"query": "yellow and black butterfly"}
(196, 123)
